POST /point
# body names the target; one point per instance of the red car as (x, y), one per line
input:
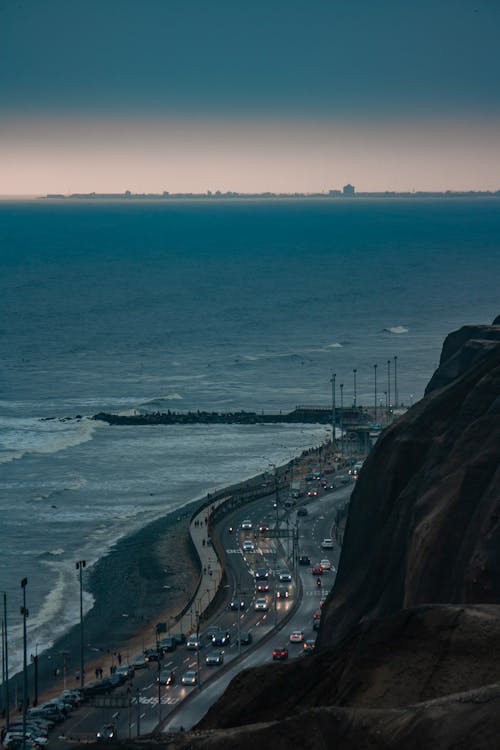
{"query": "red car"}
(317, 570)
(280, 653)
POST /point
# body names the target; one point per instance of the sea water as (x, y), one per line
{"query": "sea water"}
(201, 305)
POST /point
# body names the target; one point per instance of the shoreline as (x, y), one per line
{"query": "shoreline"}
(147, 577)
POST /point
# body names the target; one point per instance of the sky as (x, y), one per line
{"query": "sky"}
(248, 95)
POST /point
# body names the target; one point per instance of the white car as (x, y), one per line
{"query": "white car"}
(248, 546)
(327, 543)
(246, 525)
(296, 636)
(325, 564)
(261, 605)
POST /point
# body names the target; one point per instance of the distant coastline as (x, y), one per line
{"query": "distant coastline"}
(231, 195)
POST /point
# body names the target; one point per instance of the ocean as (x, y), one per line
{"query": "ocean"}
(200, 305)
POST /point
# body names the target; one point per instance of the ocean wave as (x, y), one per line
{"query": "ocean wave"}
(23, 436)
(396, 329)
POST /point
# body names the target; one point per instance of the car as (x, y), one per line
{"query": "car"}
(261, 605)
(304, 560)
(282, 593)
(344, 479)
(246, 525)
(302, 512)
(214, 659)
(263, 528)
(246, 638)
(153, 654)
(139, 662)
(316, 620)
(261, 574)
(327, 543)
(194, 642)
(248, 546)
(97, 687)
(296, 636)
(237, 604)
(117, 678)
(317, 570)
(280, 653)
(221, 638)
(106, 733)
(168, 644)
(323, 483)
(325, 564)
(189, 678)
(166, 677)
(179, 638)
(285, 576)
(263, 587)
(313, 493)
(309, 645)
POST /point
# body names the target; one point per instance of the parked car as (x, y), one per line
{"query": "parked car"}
(153, 654)
(127, 670)
(168, 644)
(139, 662)
(280, 653)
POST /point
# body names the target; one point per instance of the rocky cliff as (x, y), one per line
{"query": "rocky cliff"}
(409, 644)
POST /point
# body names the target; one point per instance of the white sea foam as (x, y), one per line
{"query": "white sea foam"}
(21, 435)
(396, 329)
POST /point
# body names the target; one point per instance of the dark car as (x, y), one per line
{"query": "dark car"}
(261, 574)
(280, 653)
(237, 604)
(221, 638)
(246, 638)
(263, 587)
(302, 512)
(106, 733)
(304, 560)
(98, 687)
(168, 644)
(317, 570)
(153, 654)
(166, 677)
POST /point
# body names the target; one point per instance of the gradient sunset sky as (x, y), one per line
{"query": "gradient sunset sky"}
(248, 95)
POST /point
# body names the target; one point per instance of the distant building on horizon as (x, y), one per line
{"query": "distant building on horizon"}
(348, 191)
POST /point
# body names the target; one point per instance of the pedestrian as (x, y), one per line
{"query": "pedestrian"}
(119, 658)
(97, 673)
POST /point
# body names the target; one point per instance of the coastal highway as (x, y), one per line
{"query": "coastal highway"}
(181, 705)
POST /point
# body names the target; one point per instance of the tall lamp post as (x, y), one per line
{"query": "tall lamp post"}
(354, 383)
(395, 382)
(388, 387)
(6, 661)
(80, 566)
(34, 659)
(342, 420)
(24, 613)
(375, 371)
(332, 381)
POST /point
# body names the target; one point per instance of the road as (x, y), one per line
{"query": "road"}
(141, 706)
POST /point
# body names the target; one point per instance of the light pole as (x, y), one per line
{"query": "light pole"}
(375, 371)
(354, 383)
(342, 420)
(24, 612)
(6, 661)
(395, 382)
(34, 659)
(332, 381)
(80, 566)
(388, 386)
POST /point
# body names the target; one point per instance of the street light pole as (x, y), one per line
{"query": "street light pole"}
(354, 379)
(332, 380)
(342, 420)
(6, 642)
(388, 387)
(24, 613)
(395, 381)
(375, 371)
(34, 659)
(80, 566)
